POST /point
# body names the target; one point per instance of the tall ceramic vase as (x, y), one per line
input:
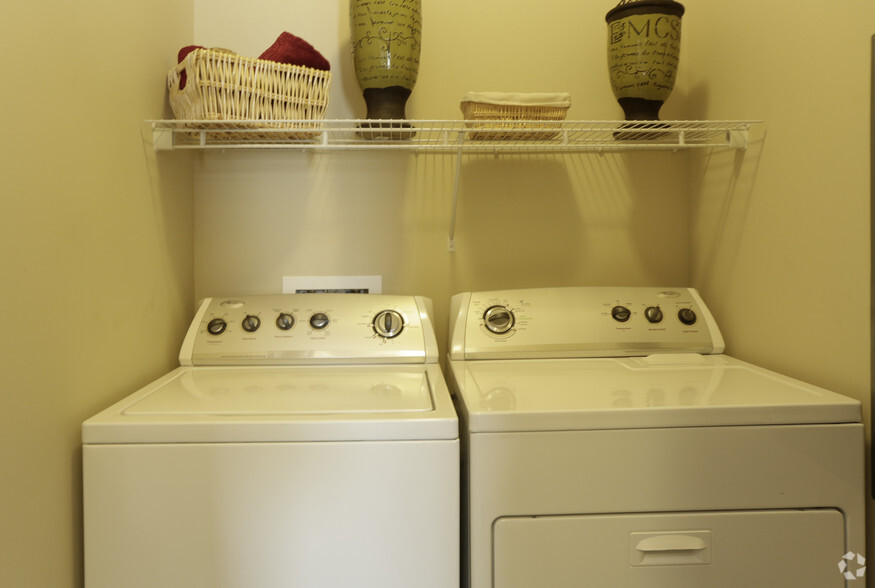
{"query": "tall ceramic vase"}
(644, 41)
(386, 37)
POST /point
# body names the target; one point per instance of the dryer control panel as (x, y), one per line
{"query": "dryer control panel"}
(581, 322)
(299, 329)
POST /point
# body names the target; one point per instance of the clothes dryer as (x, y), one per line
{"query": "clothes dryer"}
(306, 440)
(608, 441)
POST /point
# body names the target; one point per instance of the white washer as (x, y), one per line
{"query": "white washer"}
(609, 442)
(307, 440)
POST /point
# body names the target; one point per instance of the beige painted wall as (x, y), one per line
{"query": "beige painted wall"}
(781, 234)
(96, 241)
(95, 254)
(522, 220)
(782, 250)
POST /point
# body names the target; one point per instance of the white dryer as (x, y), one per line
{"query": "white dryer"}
(608, 442)
(306, 441)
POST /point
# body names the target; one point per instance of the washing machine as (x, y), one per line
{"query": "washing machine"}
(608, 441)
(305, 440)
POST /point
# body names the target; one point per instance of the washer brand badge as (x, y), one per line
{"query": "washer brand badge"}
(850, 570)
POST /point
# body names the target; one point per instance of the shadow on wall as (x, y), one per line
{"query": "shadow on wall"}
(587, 218)
(722, 184)
(872, 254)
(517, 217)
(268, 215)
(173, 216)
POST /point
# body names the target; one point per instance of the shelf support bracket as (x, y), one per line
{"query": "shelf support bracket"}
(162, 139)
(738, 139)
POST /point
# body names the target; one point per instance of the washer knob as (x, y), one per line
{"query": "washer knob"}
(319, 321)
(621, 314)
(251, 323)
(216, 326)
(687, 316)
(498, 319)
(388, 324)
(653, 314)
(285, 321)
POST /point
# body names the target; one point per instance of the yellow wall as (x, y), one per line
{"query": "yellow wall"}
(781, 244)
(97, 239)
(95, 254)
(522, 220)
(782, 253)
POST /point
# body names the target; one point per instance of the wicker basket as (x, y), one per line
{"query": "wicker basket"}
(224, 87)
(497, 116)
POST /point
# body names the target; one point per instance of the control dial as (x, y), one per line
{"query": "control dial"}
(388, 324)
(217, 326)
(319, 321)
(621, 314)
(251, 323)
(498, 319)
(687, 316)
(653, 314)
(285, 321)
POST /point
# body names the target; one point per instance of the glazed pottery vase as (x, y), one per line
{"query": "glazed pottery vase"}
(644, 40)
(386, 36)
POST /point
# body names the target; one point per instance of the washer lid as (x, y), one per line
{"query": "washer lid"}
(659, 391)
(302, 403)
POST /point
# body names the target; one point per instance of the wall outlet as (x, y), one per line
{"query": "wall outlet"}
(358, 284)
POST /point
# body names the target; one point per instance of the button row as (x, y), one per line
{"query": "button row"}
(653, 314)
(251, 323)
(387, 324)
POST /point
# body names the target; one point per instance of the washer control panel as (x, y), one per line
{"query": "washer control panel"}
(581, 322)
(311, 328)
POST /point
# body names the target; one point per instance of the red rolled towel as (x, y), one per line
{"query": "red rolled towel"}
(293, 50)
(185, 51)
(183, 78)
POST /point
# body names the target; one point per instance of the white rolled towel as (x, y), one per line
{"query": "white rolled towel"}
(557, 99)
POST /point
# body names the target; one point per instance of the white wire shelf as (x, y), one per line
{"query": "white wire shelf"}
(455, 137)
(445, 136)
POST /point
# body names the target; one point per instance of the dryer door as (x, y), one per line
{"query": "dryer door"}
(779, 549)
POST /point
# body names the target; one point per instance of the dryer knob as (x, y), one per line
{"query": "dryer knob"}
(388, 324)
(687, 316)
(216, 326)
(498, 319)
(319, 321)
(621, 314)
(653, 314)
(285, 321)
(251, 323)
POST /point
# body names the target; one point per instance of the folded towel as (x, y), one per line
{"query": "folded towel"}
(185, 51)
(183, 77)
(559, 99)
(293, 50)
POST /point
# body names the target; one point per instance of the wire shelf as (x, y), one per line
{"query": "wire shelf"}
(444, 136)
(459, 137)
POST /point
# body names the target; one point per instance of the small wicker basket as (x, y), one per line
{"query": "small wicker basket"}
(495, 116)
(217, 85)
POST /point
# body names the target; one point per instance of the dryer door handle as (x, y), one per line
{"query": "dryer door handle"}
(671, 543)
(678, 548)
